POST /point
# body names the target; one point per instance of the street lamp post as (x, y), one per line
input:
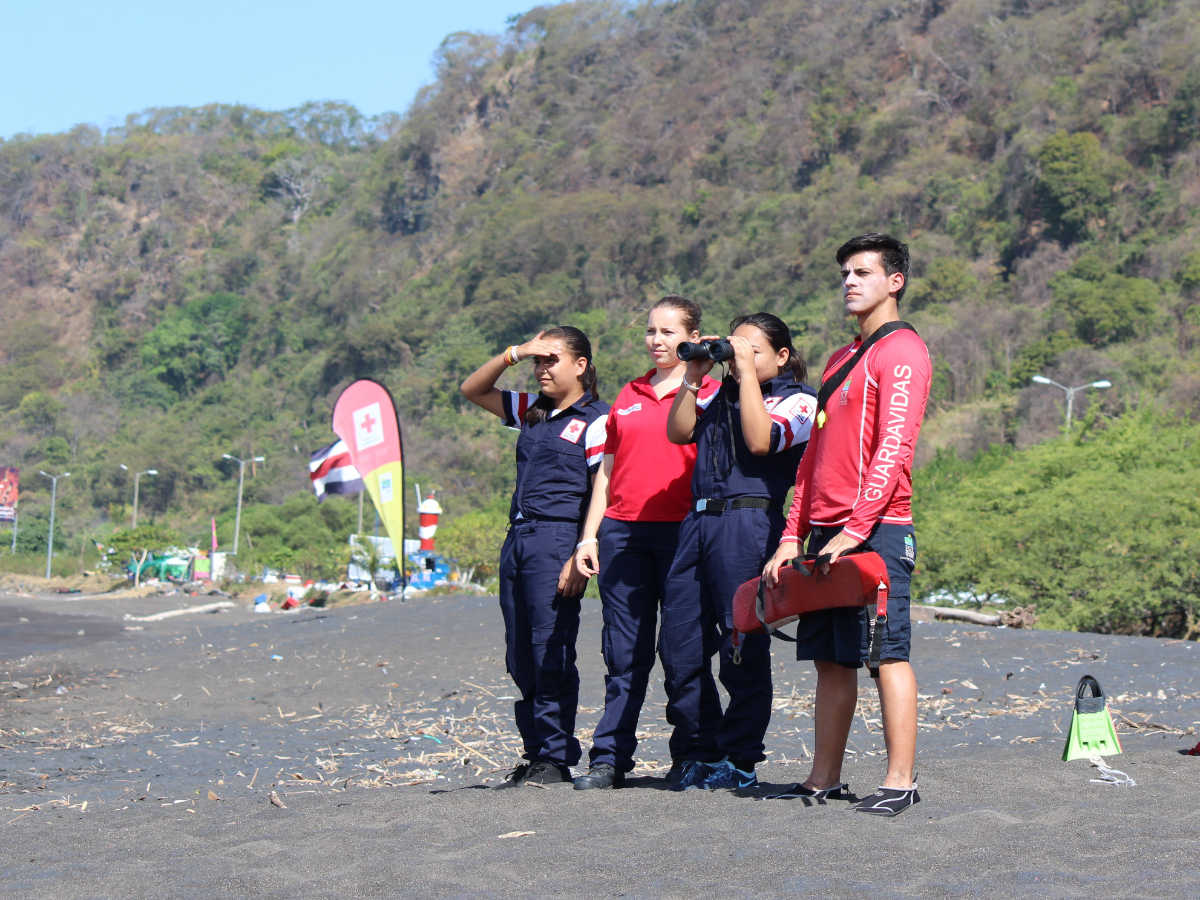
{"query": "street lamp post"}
(1070, 391)
(237, 521)
(136, 476)
(53, 499)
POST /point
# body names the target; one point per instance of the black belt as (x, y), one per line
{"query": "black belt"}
(714, 506)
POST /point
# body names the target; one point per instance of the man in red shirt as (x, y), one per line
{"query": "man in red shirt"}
(854, 490)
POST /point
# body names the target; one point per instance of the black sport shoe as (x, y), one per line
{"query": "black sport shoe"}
(816, 795)
(600, 775)
(692, 774)
(543, 773)
(888, 801)
(514, 778)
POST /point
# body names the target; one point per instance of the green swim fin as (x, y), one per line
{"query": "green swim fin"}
(1092, 732)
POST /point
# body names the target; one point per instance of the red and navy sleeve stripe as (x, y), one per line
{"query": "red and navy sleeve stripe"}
(594, 441)
(516, 404)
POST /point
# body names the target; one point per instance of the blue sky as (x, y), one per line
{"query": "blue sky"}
(63, 63)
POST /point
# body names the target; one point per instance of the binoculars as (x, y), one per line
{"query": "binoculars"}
(717, 351)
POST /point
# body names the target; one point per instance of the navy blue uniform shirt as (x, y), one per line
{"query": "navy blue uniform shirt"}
(555, 457)
(727, 468)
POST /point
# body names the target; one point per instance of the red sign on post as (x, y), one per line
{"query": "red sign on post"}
(10, 488)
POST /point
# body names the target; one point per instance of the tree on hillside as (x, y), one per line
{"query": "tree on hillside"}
(1183, 113)
(1106, 308)
(198, 341)
(1187, 311)
(1074, 184)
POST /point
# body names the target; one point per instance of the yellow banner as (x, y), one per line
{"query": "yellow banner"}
(386, 488)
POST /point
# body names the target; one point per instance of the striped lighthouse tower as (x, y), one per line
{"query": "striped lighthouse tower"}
(428, 513)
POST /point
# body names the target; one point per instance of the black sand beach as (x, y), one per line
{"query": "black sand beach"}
(342, 752)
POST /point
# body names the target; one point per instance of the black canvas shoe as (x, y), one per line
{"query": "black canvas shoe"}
(692, 774)
(675, 773)
(888, 801)
(514, 778)
(816, 795)
(600, 775)
(545, 773)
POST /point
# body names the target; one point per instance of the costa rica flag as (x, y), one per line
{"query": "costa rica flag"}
(332, 472)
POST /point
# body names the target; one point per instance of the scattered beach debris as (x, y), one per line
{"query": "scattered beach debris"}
(359, 714)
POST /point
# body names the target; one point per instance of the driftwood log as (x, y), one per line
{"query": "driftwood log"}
(171, 613)
(1018, 617)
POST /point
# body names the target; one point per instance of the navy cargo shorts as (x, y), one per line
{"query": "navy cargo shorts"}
(842, 635)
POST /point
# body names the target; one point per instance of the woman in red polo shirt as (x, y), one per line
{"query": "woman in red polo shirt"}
(641, 494)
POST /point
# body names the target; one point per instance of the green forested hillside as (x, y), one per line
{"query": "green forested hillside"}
(204, 281)
(1099, 530)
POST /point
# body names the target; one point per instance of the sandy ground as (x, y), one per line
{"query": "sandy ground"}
(345, 752)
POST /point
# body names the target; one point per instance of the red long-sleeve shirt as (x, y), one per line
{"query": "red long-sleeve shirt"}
(857, 470)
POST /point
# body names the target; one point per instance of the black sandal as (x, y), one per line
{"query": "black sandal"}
(888, 801)
(817, 795)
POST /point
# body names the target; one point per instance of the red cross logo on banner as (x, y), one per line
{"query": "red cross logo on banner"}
(364, 416)
(367, 430)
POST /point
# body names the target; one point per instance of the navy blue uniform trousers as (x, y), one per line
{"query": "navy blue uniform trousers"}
(540, 628)
(716, 555)
(634, 560)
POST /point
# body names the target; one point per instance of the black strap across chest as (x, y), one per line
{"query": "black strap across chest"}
(830, 385)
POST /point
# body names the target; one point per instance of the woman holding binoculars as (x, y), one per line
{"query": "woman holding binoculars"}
(749, 437)
(641, 494)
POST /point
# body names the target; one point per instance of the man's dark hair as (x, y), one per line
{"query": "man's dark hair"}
(893, 252)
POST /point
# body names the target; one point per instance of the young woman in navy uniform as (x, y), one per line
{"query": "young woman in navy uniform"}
(558, 452)
(749, 439)
(642, 492)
